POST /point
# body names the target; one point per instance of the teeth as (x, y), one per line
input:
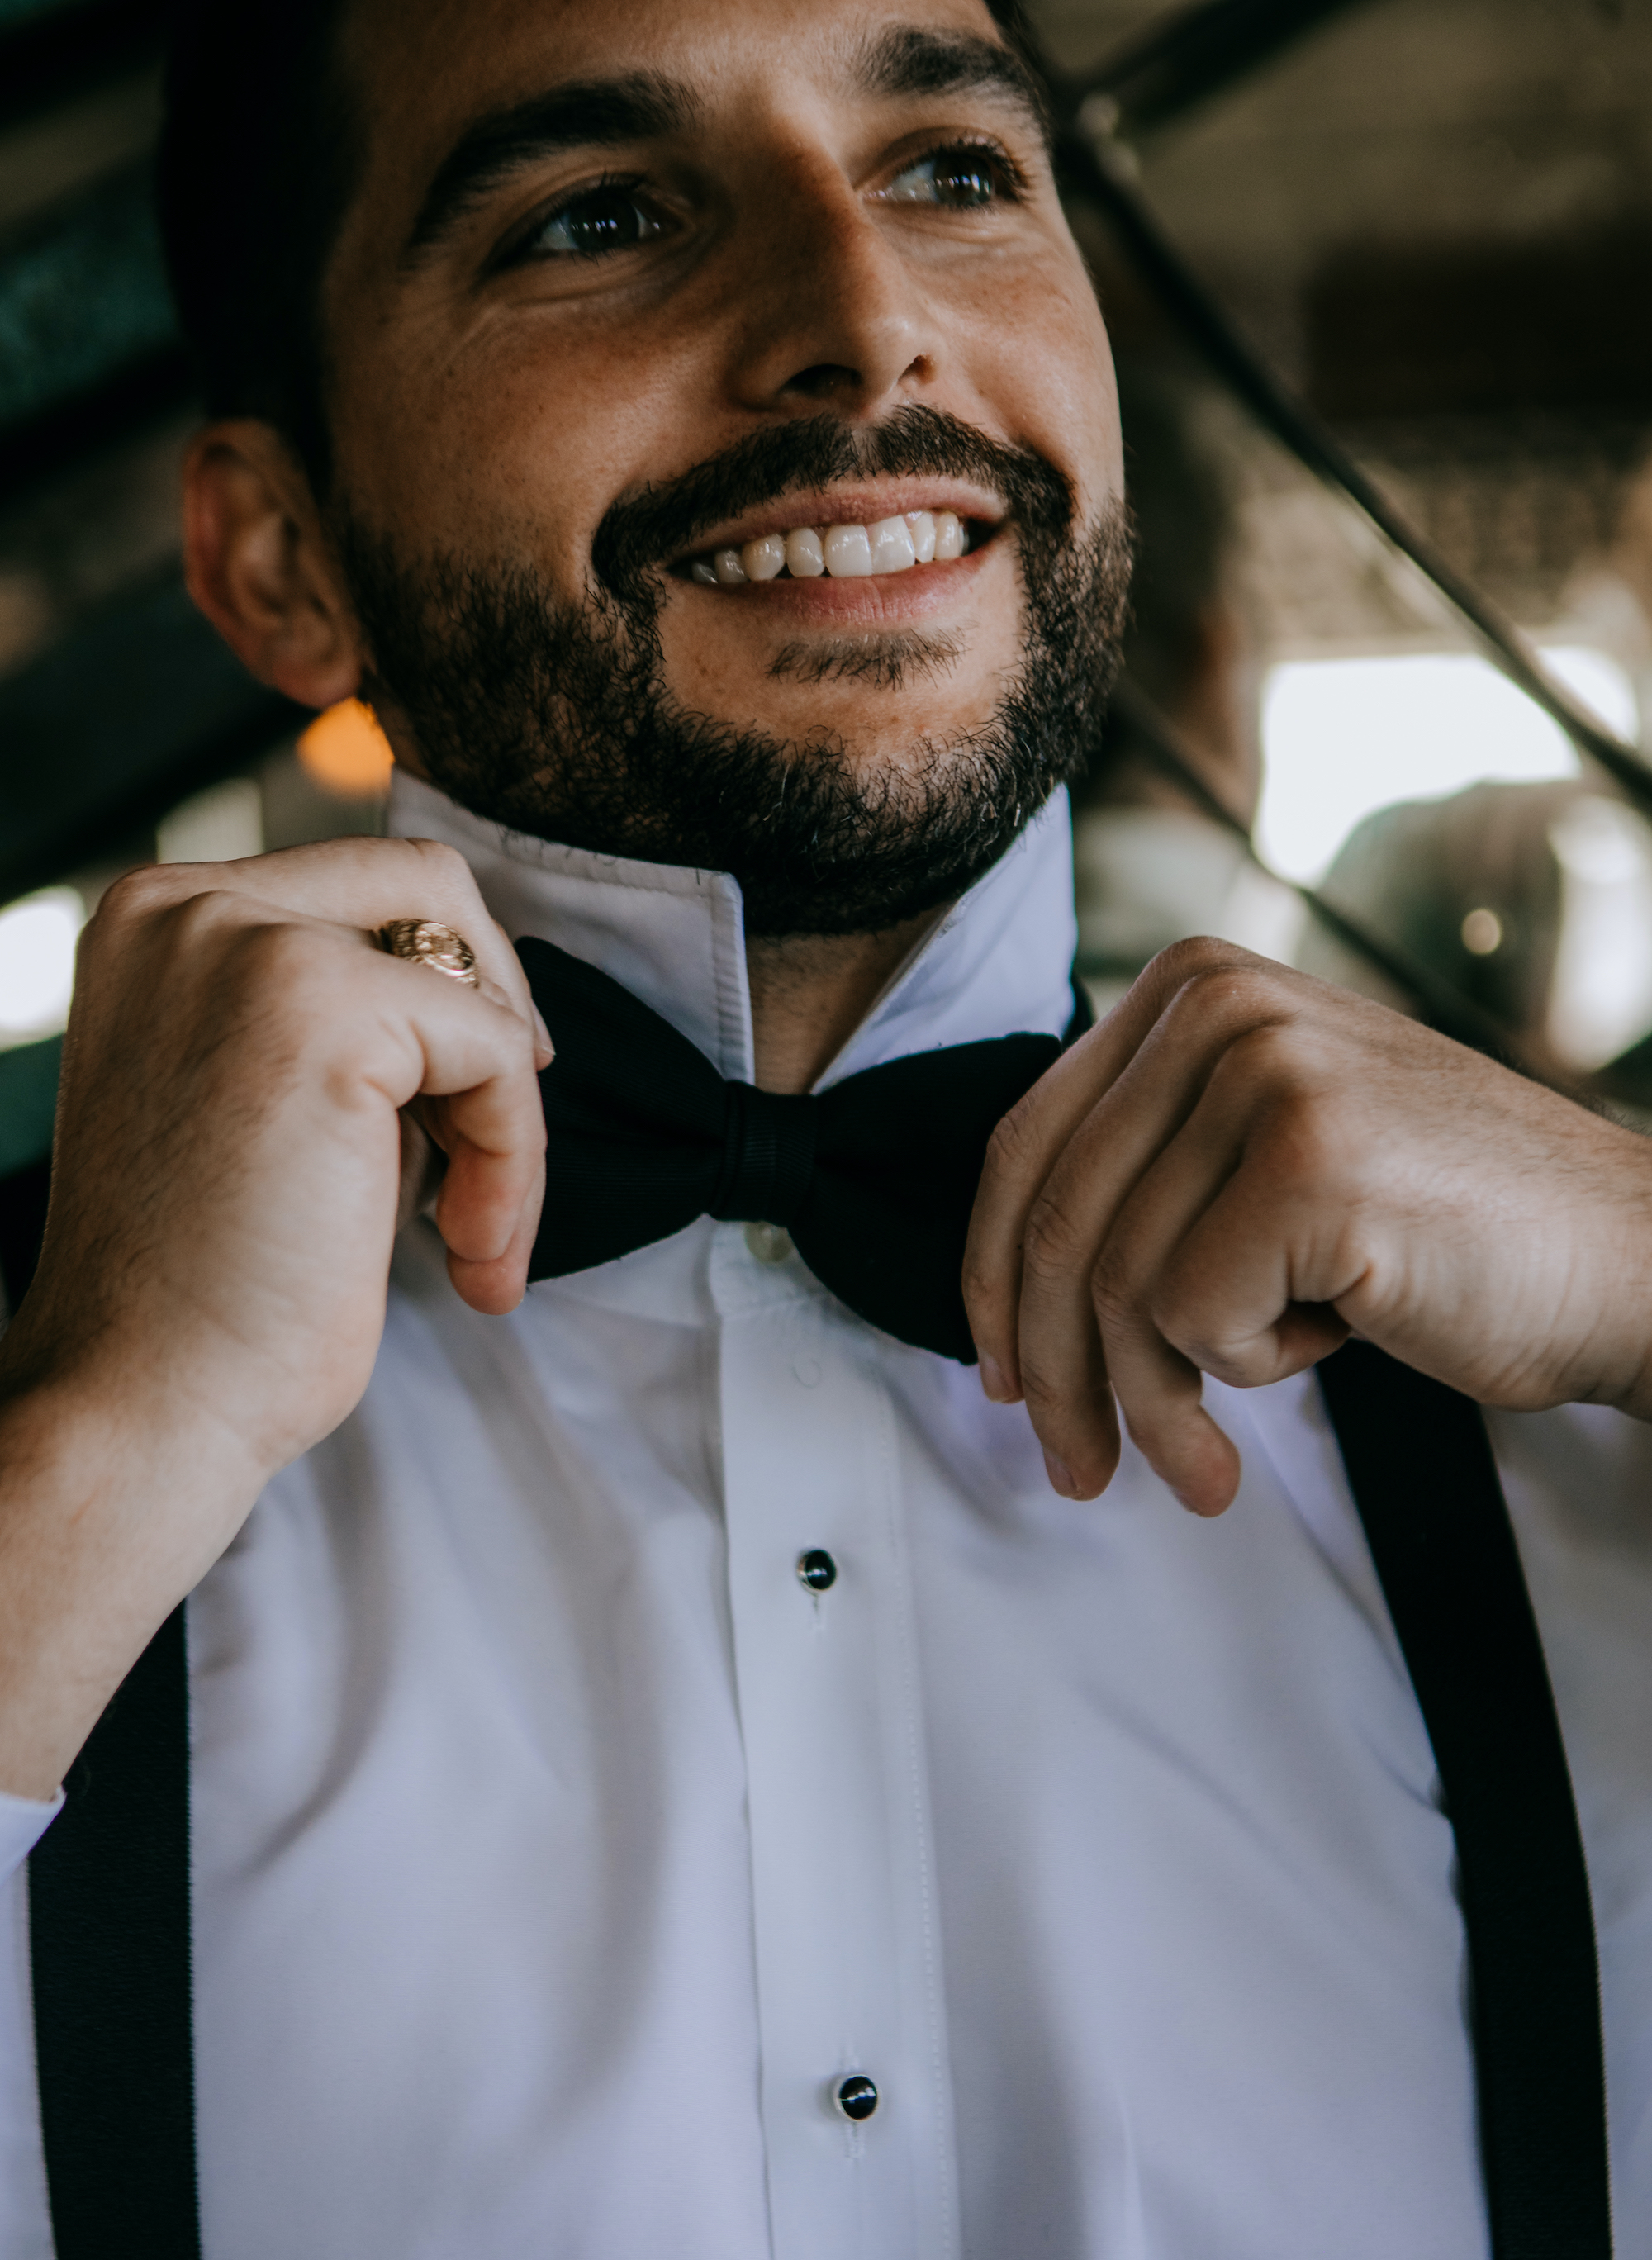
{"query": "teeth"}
(893, 545)
(893, 548)
(848, 552)
(805, 559)
(763, 558)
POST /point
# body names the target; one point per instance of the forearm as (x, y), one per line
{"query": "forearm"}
(107, 1520)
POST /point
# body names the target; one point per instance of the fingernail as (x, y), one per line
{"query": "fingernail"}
(1205, 1513)
(1061, 1477)
(992, 1379)
(544, 1034)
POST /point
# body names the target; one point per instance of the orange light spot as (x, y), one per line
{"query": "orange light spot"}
(344, 751)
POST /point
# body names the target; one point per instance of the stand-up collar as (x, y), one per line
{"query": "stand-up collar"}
(998, 963)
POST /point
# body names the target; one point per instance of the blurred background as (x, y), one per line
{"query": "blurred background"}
(1400, 246)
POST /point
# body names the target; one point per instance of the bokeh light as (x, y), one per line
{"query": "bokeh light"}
(37, 964)
(346, 753)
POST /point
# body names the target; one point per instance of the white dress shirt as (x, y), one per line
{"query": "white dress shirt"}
(557, 1851)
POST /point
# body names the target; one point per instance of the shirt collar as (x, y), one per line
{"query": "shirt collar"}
(999, 962)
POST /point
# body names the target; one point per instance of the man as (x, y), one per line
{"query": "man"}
(676, 1767)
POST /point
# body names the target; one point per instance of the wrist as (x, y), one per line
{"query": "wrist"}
(1621, 1291)
(107, 1520)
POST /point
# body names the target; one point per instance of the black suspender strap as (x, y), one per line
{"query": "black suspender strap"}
(1420, 1468)
(109, 1927)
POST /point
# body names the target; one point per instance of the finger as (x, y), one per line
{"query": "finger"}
(491, 1167)
(1224, 1259)
(496, 1286)
(512, 992)
(494, 1136)
(365, 883)
(412, 968)
(1032, 1136)
(1058, 1348)
(1251, 1293)
(1023, 1149)
(1158, 1386)
(471, 1058)
(1249, 1231)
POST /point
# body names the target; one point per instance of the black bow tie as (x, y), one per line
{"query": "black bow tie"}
(874, 1179)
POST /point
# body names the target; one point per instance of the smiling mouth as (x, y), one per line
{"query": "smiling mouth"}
(851, 552)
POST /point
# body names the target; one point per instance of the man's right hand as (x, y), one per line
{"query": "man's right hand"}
(212, 1290)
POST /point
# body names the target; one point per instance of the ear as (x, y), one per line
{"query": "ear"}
(259, 564)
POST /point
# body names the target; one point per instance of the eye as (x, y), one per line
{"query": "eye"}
(611, 217)
(962, 178)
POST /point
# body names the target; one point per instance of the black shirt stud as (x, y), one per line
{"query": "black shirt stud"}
(817, 1570)
(856, 2097)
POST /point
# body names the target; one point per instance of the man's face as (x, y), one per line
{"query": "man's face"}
(629, 285)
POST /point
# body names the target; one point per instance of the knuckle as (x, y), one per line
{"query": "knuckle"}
(1185, 1320)
(1209, 978)
(193, 918)
(1053, 1241)
(132, 897)
(1232, 995)
(1009, 1147)
(1113, 1293)
(1041, 1390)
(442, 866)
(1304, 1138)
(1269, 1046)
(980, 1291)
(1200, 954)
(1267, 1072)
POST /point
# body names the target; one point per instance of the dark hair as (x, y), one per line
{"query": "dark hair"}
(258, 160)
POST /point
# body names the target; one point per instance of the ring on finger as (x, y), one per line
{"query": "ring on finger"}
(421, 941)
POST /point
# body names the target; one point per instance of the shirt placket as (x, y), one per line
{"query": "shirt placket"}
(855, 2086)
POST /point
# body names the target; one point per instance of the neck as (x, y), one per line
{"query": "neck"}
(784, 1012)
(811, 991)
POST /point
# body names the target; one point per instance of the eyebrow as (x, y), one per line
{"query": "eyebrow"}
(903, 63)
(907, 61)
(589, 114)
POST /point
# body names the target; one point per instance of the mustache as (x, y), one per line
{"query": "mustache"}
(640, 532)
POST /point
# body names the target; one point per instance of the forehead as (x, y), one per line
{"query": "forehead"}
(420, 74)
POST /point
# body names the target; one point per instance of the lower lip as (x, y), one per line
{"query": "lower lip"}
(872, 600)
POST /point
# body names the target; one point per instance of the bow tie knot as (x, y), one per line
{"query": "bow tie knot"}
(874, 1178)
(768, 1146)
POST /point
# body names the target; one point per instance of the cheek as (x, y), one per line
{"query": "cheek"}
(514, 446)
(1046, 367)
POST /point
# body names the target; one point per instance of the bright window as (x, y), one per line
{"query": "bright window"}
(1343, 737)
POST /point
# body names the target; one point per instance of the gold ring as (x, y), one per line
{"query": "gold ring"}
(422, 942)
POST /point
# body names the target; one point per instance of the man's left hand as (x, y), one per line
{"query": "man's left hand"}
(1241, 1166)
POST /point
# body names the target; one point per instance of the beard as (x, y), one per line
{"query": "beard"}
(554, 718)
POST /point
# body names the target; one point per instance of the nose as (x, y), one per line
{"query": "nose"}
(835, 314)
